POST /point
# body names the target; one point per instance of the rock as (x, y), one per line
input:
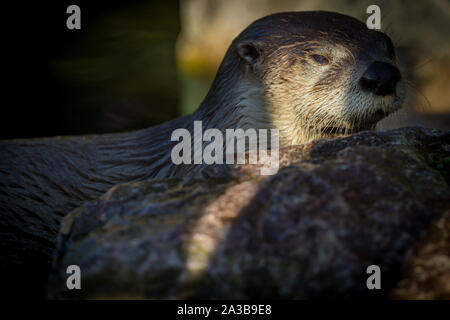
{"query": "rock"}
(335, 207)
(427, 271)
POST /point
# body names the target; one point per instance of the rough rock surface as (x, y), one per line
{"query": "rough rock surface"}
(336, 207)
(427, 271)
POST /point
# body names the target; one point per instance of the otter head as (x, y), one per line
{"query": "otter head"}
(311, 75)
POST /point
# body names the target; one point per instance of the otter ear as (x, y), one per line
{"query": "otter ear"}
(249, 51)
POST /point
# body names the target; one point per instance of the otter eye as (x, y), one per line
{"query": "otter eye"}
(319, 59)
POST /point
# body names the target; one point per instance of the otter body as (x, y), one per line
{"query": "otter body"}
(309, 74)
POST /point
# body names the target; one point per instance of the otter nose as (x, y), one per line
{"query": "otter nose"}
(380, 78)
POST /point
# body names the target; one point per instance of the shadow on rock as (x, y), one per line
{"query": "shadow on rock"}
(309, 232)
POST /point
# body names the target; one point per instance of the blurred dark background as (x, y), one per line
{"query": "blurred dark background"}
(135, 63)
(117, 73)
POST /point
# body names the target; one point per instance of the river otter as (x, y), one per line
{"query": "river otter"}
(308, 74)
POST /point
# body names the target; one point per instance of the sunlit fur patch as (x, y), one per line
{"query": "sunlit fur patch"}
(285, 89)
(309, 102)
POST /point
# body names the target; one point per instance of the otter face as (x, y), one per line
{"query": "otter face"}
(321, 74)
